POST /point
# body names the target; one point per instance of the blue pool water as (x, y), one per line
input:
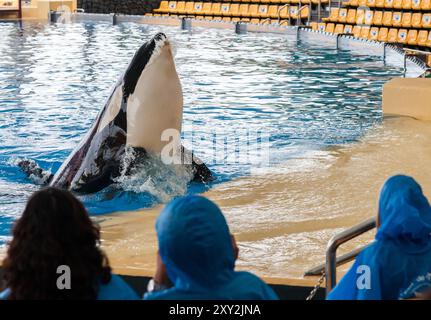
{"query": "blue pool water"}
(55, 78)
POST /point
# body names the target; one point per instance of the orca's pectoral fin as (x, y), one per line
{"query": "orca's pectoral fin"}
(201, 172)
(35, 172)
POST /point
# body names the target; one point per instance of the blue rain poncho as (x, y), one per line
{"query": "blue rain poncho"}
(401, 250)
(196, 247)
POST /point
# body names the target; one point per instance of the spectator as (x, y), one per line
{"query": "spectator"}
(55, 230)
(401, 250)
(197, 254)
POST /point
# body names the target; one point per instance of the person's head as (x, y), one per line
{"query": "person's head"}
(404, 214)
(54, 230)
(195, 244)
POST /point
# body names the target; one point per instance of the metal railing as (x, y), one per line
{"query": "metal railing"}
(288, 10)
(338, 240)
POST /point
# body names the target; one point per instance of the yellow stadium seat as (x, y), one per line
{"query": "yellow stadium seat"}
(254, 21)
(189, 8)
(347, 28)
(273, 11)
(305, 12)
(402, 36)
(380, 3)
(330, 27)
(383, 34)
(356, 31)
(206, 8)
(164, 7)
(392, 35)
(351, 16)
(263, 11)
(234, 10)
(321, 26)
(389, 4)
(422, 37)
(235, 19)
(369, 17)
(253, 11)
(353, 3)
(371, 3)
(226, 19)
(197, 8)
(412, 36)
(342, 15)
(339, 28)
(387, 18)
(172, 6)
(374, 33)
(333, 16)
(377, 18)
(397, 4)
(293, 12)
(416, 4)
(275, 1)
(243, 10)
(181, 5)
(362, 3)
(283, 12)
(426, 20)
(225, 10)
(417, 20)
(425, 4)
(429, 40)
(360, 16)
(396, 19)
(407, 4)
(314, 26)
(216, 8)
(365, 31)
(406, 19)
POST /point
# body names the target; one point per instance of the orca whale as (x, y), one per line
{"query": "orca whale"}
(146, 101)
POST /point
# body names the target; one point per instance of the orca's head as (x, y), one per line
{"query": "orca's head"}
(150, 94)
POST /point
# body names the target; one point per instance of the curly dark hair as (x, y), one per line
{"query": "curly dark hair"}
(54, 230)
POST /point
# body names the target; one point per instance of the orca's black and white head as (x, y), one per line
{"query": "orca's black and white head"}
(146, 101)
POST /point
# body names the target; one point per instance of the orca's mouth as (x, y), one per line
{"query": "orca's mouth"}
(144, 57)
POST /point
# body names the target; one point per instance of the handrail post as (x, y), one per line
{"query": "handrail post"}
(334, 243)
(281, 8)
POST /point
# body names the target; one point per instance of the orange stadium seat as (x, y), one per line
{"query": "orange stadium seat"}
(369, 17)
(234, 9)
(426, 20)
(425, 4)
(243, 10)
(389, 4)
(189, 8)
(416, 4)
(321, 26)
(181, 6)
(263, 11)
(412, 36)
(383, 34)
(362, 3)
(406, 20)
(333, 16)
(360, 16)
(164, 7)
(407, 4)
(397, 4)
(314, 26)
(380, 3)
(273, 11)
(216, 8)
(224, 9)
(371, 3)
(197, 8)
(353, 3)
(387, 18)
(330, 27)
(365, 31)
(253, 11)
(378, 18)
(356, 31)
(347, 28)
(417, 20)
(392, 35)
(402, 36)
(283, 12)
(396, 19)
(339, 28)
(206, 8)
(422, 37)
(374, 33)
(342, 15)
(351, 16)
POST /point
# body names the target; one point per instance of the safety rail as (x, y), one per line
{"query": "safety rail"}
(287, 5)
(415, 53)
(335, 242)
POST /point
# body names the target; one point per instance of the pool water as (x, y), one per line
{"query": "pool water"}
(54, 80)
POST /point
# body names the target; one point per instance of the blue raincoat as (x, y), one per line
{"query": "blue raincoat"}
(402, 248)
(195, 246)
